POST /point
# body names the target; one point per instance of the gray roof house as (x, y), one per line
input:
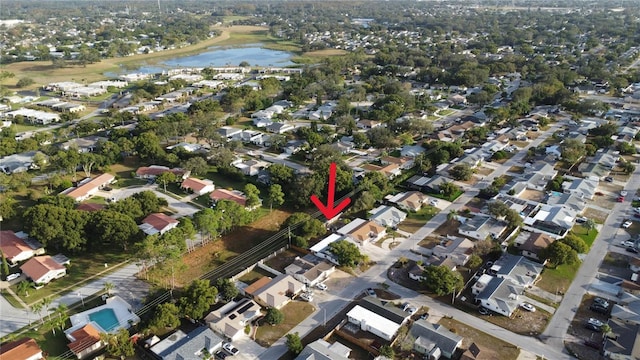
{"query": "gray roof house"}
(518, 269)
(481, 227)
(434, 340)
(181, 346)
(387, 216)
(322, 350)
(626, 342)
(310, 270)
(584, 188)
(571, 201)
(551, 219)
(497, 294)
(18, 162)
(228, 132)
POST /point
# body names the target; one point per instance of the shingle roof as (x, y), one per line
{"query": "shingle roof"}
(84, 337)
(11, 245)
(38, 267)
(159, 221)
(21, 349)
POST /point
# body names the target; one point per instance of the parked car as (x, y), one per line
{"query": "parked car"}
(13, 276)
(596, 322)
(599, 309)
(409, 308)
(528, 307)
(321, 286)
(371, 292)
(483, 311)
(600, 301)
(620, 199)
(228, 347)
(623, 193)
(581, 219)
(424, 316)
(592, 327)
(628, 243)
(627, 224)
(608, 179)
(433, 202)
(632, 250)
(636, 210)
(306, 296)
(221, 355)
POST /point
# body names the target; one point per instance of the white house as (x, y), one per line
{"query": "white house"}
(370, 321)
(43, 269)
(198, 186)
(158, 223)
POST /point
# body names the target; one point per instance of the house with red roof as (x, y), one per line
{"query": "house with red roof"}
(43, 269)
(198, 186)
(231, 195)
(152, 171)
(22, 349)
(158, 223)
(90, 187)
(85, 341)
(16, 249)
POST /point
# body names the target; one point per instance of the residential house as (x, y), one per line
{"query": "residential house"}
(262, 114)
(152, 171)
(33, 116)
(310, 270)
(372, 322)
(497, 294)
(403, 162)
(278, 292)
(262, 122)
(531, 244)
(89, 187)
(409, 201)
(554, 150)
(457, 250)
(322, 350)
(418, 182)
(21, 349)
(457, 99)
(197, 344)
(251, 137)
(187, 147)
(550, 219)
(85, 341)
(368, 124)
(433, 185)
(388, 309)
(387, 216)
(584, 188)
(322, 249)
(434, 340)
(390, 171)
(83, 145)
(625, 344)
(361, 231)
(478, 352)
(570, 201)
(293, 146)
(250, 167)
(279, 128)
(231, 319)
(229, 132)
(539, 174)
(416, 271)
(412, 150)
(43, 269)
(18, 163)
(518, 269)
(158, 223)
(198, 186)
(17, 249)
(231, 195)
(482, 227)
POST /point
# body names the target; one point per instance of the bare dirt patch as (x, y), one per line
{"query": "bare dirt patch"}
(448, 228)
(596, 215)
(284, 259)
(325, 52)
(533, 195)
(483, 171)
(429, 242)
(501, 349)
(294, 313)
(210, 256)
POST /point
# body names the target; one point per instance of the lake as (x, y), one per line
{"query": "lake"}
(218, 56)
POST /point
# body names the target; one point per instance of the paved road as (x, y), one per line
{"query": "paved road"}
(559, 324)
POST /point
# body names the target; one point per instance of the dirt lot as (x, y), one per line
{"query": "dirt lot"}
(533, 195)
(294, 313)
(596, 215)
(483, 171)
(283, 260)
(213, 254)
(449, 227)
(429, 242)
(493, 346)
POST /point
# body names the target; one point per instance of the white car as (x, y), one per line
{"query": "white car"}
(230, 348)
(433, 202)
(636, 210)
(623, 193)
(306, 296)
(595, 322)
(321, 286)
(528, 307)
(628, 243)
(13, 276)
(627, 224)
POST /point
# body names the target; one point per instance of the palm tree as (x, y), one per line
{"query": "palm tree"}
(108, 286)
(452, 215)
(23, 287)
(46, 302)
(589, 225)
(37, 309)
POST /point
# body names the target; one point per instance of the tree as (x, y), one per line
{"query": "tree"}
(165, 316)
(166, 178)
(253, 195)
(24, 82)
(109, 227)
(387, 351)
(560, 253)
(627, 167)
(5, 266)
(576, 243)
(23, 287)
(148, 146)
(207, 221)
(448, 188)
(572, 150)
(197, 299)
(36, 308)
(275, 196)
(108, 286)
(346, 252)
(461, 172)
(294, 343)
(589, 225)
(441, 280)
(226, 289)
(498, 208)
(119, 344)
(474, 261)
(274, 316)
(196, 165)
(605, 329)
(57, 228)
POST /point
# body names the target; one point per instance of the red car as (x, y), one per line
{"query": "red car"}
(620, 198)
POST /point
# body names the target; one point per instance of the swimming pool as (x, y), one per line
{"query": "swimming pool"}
(106, 318)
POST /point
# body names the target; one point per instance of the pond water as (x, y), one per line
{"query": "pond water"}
(217, 56)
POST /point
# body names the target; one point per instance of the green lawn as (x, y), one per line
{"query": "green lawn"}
(558, 279)
(24, 127)
(446, 112)
(226, 182)
(588, 236)
(451, 198)
(294, 313)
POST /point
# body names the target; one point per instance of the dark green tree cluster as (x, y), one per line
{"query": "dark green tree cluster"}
(441, 280)
(347, 253)
(308, 228)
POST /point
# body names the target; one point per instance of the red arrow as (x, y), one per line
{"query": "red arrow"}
(329, 211)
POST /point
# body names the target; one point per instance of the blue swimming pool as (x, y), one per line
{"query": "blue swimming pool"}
(106, 318)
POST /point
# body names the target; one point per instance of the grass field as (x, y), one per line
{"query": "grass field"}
(558, 279)
(294, 313)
